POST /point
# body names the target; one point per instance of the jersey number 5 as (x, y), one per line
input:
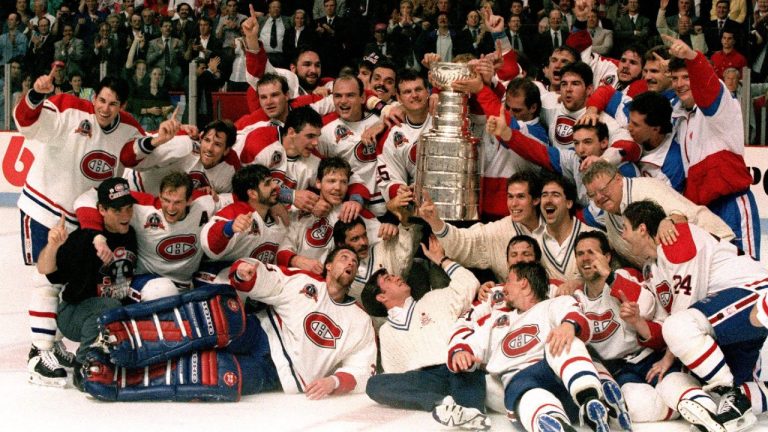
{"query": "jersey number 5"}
(682, 284)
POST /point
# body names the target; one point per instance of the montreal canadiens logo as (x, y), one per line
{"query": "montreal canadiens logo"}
(98, 165)
(177, 248)
(199, 179)
(321, 330)
(320, 233)
(266, 253)
(230, 379)
(520, 341)
(233, 305)
(664, 293)
(341, 132)
(603, 325)
(564, 130)
(365, 152)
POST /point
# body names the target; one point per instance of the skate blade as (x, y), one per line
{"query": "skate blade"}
(745, 422)
(696, 414)
(47, 382)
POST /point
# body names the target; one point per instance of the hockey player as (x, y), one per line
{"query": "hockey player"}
(342, 137)
(84, 143)
(611, 192)
(288, 153)
(709, 305)
(532, 346)
(210, 162)
(244, 228)
(168, 230)
(92, 283)
(485, 245)
(312, 339)
(309, 237)
(708, 125)
(413, 341)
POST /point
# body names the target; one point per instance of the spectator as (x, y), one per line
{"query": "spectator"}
(602, 39)
(728, 57)
(552, 38)
(167, 53)
(40, 9)
(136, 75)
(70, 50)
(713, 29)
(151, 103)
(237, 81)
(272, 34)
(331, 34)
(632, 27)
(148, 25)
(474, 38)
(184, 24)
(106, 48)
(683, 30)
(22, 9)
(205, 45)
(88, 20)
(41, 48)
(229, 24)
(441, 40)
(758, 38)
(137, 40)
(737, 11)
(76, 83)
(404, 31)
(13, 42)
(208, 80)
(299, 34)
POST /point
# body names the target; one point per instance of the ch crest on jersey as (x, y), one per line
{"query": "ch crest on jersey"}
(518, 342)
(398, 138)
(664, 293)
(266, 253)
(322, 330)
(154, 222)
(365, 152)
(320, 233)
(276, 158)
(177, 248)
(98, 165)
(603, 325)
(341, 132)
(84, 129)
(564, 129)
(199, 179)
(309, 291)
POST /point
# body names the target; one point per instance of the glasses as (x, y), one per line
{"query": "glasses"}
(603, 190)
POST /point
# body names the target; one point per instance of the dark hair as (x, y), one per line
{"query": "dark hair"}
(531, 179)
(406, 75)
(570, 51)
(300, 50)
(600, 129)
(247, 178)
(340, 229)
(569, 189)
(175, 180)
(526, 87)
(331, 164)
(645, 212)
(166, 19)
(302, 116)
(117, 85)
(655, 108)
(523, 238)
(581, 69)
(225, 126)
(271, 78)
(348, 77)
(535, 274)
(386, 64)
(637, 49)
(369, 293)
(676, 64)
(206, 19)
(605, 247)
(332, 255)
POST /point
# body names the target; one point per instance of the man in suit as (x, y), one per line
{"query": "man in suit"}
(474, 38)
(167, 53)
(70, 50)
(331, 34)
(602, 39)
(229, 24)
(40, 53)
(553, 38)
(441, 40)
(381, 47)
(517, 36)
(206, 46)
(273, 27)
(184, 27)
(148, 25)
(713, 29)
(631, 28)
(684, 8)
(298, 35)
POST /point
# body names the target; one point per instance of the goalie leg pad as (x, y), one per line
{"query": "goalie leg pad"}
(211, 375)
(147, 333)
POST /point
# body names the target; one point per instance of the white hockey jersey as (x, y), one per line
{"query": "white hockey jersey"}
(397, 156)
(343, 139)
(183, 154)
(312, 236)
(310, 335)
(73, 154)
(220, 243)
(509, 341)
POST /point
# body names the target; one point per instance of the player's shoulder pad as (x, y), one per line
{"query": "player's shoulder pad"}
(682, 250)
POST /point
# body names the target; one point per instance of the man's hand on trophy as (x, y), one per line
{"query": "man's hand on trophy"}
(472, 84)
(485, 68)
(429, 59)
(428, 212)
(497, 126)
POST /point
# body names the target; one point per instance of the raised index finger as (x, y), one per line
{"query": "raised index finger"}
(176, 111)
(252, 10)
(62, 221)
(668, 38)
(501, 111)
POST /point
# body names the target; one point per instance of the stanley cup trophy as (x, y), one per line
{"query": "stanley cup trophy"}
(448, 162)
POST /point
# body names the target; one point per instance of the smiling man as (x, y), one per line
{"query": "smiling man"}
(84, 144)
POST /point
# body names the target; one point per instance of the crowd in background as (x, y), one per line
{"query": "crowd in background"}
(151, 42)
